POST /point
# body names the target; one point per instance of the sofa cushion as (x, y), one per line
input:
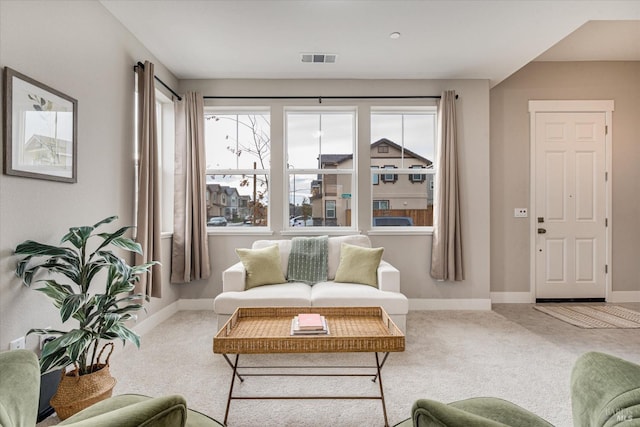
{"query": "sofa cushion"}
(334, 294)
(359, 265)
(335, 244)
(281, 295)
(263, 266)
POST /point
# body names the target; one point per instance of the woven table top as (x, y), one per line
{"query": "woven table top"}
(253, 330)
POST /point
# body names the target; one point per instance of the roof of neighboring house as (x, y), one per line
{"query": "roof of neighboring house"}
(217, 188)
(407, 152)
(336, 159)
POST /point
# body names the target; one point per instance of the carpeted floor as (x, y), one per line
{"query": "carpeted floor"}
(513, 352)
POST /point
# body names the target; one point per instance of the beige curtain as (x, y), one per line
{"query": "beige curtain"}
(190, 254)
(446, 247)
(148, 209)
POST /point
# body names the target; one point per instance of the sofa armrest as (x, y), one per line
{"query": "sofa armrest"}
(233, 278)
(388, 277)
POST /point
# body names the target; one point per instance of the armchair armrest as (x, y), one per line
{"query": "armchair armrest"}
(388, 277)
(233, 278)
(132, 411)
(604, 389)
(19, 388)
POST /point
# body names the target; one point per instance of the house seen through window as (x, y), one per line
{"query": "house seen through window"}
(320, 146)
(403, 140)
(238, 148)
(320, 166)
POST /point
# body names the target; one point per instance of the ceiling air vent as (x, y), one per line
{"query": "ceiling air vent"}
(319, 58)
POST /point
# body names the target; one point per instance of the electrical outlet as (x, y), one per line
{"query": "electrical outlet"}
(520, 213)
(17, 344)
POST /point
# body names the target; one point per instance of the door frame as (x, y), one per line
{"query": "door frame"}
(569, 106)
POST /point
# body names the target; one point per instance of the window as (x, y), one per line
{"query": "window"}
(320, 169)
(238, 148)
(389, 177)
(406, 138)
(166, 143)
(380, 205)
(330, 209)
(375, 178)
(417, 177)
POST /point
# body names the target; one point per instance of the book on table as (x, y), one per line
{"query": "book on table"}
(310, 321)
(303, 324)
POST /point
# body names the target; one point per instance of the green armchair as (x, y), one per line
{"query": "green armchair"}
(20, 390)
(605, 391)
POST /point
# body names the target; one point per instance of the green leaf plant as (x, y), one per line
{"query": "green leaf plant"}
(71, 270)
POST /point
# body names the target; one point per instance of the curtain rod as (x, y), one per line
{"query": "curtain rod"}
(173, 92)
(319, 98)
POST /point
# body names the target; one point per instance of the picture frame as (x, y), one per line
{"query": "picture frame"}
(41, 130)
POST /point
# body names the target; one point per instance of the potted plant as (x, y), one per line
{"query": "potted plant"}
(70, 270)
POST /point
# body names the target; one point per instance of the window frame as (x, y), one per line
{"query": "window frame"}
(290, 172)
(267, 171)
(407, 170)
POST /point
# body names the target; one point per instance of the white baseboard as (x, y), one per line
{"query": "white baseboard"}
(416, 304)
(150, 322)
(511, 298)
(624, 296)
(195, 304)
(155, 319)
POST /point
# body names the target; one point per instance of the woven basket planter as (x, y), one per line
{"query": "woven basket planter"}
(77, 392)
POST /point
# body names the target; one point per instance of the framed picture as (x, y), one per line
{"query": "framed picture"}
(41, 130)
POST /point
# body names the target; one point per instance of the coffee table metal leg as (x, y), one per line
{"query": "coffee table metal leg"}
(233, 379)
(231, 365)
(384, 359)
(378, 377)
(384, 406)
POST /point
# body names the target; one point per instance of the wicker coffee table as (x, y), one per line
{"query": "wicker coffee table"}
(267, 330)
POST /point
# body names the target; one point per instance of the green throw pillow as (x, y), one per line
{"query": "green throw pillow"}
(358, 265)
(262, 265)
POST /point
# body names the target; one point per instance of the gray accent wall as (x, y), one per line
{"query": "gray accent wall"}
(80, 49)
(411, 252)
(618, 81)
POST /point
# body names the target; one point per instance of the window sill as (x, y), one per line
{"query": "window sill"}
(401, 231)
(238, 231)
(315, 231)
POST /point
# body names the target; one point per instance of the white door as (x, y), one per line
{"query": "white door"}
(570, 197)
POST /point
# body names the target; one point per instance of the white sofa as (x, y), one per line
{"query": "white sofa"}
(323, 294)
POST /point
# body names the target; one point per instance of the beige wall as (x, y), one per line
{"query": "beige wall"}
(619, 81)
(410, 253)
(78, 48)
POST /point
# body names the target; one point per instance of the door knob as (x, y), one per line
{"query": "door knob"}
(541, 231)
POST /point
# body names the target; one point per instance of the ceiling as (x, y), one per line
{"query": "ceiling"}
(439, 39)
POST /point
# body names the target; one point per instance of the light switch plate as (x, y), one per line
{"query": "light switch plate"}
(520, 213)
